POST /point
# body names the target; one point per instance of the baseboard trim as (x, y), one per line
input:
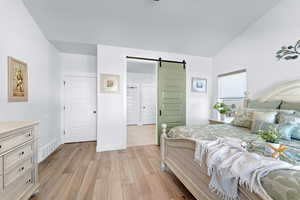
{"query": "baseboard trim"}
(47, 150)
(110, 148)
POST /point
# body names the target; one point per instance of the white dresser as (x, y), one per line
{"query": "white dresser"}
(18, 160)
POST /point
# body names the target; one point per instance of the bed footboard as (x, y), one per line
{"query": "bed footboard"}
(178, 156)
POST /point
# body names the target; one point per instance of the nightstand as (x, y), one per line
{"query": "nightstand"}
(227, 120)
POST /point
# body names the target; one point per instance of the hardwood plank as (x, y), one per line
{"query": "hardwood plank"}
(76, 172)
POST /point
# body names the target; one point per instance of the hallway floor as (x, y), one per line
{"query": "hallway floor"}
(141, 135)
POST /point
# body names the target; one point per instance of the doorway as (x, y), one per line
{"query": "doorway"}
(141, 102)
(80, 108)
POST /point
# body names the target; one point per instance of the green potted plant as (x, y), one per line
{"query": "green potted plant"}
(223, 109)
(271, 137)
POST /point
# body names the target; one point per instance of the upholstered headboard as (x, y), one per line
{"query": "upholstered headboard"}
(289, 91)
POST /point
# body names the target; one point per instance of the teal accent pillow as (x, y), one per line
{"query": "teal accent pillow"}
(260, 125)
(264, 105)
(286, 131)
(296, 133)
(290, 105)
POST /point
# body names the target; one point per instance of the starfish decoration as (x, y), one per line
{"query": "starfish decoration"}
(277, 151)
(289, 53)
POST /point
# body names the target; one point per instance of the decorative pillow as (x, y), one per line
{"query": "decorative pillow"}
(264, 105)
(288, 118)
(290, 105)
(286, 130)
(259, 125)
(243, 118)
(269, 117)
(283, 112)
(296, 133)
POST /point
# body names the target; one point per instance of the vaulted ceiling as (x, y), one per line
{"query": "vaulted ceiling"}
(196, 27)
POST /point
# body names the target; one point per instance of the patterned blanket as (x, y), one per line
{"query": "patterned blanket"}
(279, 184)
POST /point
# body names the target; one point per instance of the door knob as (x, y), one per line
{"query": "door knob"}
(144, 107)
(95, 111)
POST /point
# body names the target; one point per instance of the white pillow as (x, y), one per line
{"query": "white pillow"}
(269, 117)
(258, 117)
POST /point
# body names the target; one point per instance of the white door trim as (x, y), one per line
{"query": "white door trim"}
(137, 86)
(74, 74)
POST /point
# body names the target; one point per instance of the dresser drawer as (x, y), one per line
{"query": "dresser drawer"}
(13, 141)
(17, 156)
(18, 171)
(1, 184)
(1, 165)
(18, 187)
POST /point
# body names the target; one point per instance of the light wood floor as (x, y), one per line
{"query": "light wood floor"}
(77, 172)
(141, 135)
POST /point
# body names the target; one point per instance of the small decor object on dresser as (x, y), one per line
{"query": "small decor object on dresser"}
(110, 83)
(199, 85)
(17, 80)
(18, 160)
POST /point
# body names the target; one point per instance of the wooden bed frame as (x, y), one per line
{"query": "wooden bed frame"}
(178, 154)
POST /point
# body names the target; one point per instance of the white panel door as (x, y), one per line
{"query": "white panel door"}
(133, 106)
(80, 109)
(148, 101)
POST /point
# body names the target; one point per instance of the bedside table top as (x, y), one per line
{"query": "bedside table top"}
(227, 120)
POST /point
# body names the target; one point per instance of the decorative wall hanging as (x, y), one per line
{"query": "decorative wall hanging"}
(199, 85)
(17, 80)
(110, 83)
(289, 53)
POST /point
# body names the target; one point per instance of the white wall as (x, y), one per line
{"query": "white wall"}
(255, 50)
(77, 63)
(112, 107)
(21, 38)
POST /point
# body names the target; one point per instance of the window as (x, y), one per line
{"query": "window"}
(232, 85)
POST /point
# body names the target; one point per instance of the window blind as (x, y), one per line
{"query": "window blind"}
(232, 85)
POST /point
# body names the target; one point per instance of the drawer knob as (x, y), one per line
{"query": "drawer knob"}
(28, 181)
(22, 153)
(21, 169)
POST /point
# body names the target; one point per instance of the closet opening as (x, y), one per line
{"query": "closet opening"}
(141, 102)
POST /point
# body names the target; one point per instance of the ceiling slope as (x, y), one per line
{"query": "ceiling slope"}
(196, 27)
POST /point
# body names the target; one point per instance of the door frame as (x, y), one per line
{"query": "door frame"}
(139, 103)
(156, 65)
(63, 120)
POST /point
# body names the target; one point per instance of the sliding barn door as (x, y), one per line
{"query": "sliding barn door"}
(171, 95)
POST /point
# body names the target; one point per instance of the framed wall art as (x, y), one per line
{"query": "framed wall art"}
(199, 85)
(110, 83)
(17, 80)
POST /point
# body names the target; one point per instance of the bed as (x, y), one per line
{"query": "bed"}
(177, 155)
